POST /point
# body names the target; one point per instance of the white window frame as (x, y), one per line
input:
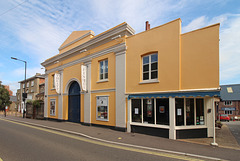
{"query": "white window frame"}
(99, 119)
(52, 112)
(104, 72)
(227, 103)
(32, 83)
(150, 71)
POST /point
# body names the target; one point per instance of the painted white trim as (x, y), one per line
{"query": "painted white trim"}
(72, 42)
(103, 90)
(149, 81)
(103, 80)
(190, 127)
(87, 59)
(69, 84)
(150, 125)
(109, 34)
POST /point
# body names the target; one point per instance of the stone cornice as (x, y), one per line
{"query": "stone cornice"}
(95, 40)
(119, 48)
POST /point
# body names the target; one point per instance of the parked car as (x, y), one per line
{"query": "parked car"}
(224, 117)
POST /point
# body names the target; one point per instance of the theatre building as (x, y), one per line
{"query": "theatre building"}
(159, 82)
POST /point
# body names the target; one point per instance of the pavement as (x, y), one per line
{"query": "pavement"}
(226, 141)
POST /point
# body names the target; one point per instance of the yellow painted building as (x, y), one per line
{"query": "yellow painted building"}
(158, 82)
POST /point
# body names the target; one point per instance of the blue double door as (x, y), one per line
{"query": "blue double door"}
(74, 105)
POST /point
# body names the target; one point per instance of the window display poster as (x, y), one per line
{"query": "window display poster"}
(102, 107)
(136, 111)
(161, 109)
(179, 111)
(149, 110)
(52, 107)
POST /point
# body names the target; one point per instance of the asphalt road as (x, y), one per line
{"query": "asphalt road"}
(23, 142)
(234, 127)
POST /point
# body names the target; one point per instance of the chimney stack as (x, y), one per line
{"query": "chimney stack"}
(147, 26)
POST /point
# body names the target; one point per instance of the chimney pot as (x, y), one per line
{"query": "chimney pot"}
(147, 26)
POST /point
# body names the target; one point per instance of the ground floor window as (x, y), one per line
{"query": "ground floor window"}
(189, 111)
(52, 107)
(228, 112)
(150, 111)
(102, 108)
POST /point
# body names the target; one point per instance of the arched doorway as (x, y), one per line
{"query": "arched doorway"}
(74, 102)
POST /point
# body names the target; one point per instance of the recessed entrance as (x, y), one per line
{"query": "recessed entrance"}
(74, 100)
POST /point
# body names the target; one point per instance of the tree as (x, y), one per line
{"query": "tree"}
(4, 97)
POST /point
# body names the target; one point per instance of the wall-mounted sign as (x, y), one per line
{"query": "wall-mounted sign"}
(57, 82)
(161, 109)
(228, 108)
(84, 77)
(179, 111)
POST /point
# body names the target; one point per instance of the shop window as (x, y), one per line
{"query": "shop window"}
(148, 111)
(52, 107)
(199, 111)
(162, 111)
(228, 103)
(190, 111)
(179, 105)
(150, 67)
(136, 110)
(103, 73)
(102, 108)
(228, 112)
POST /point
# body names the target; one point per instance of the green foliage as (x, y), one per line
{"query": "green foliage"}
(4, 97)
(36, 103)
(29, 102)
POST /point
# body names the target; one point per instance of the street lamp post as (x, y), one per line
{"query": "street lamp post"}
(24, 96)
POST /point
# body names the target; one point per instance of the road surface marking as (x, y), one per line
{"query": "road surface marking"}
(135, 148)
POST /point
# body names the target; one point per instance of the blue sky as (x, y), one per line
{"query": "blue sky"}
(36, 29)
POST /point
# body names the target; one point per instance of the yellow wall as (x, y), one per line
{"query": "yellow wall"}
(165, 40)
(111, 109)
(95, 84)
(200, 58)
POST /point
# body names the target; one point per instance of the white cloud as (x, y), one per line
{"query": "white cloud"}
(195, 24)
(230, 51)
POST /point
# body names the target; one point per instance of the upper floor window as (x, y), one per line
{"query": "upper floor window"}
(23, 85)
(32, 83)
(228, 103)
(150, 66)
(27, 84)
(103, 73)
(53, 81)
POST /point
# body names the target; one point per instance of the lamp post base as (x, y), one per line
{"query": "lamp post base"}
(214, 144)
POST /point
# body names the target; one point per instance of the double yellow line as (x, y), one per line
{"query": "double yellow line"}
(181, 157)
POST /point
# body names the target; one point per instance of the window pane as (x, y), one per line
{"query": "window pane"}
(148, 111)
(136, 110)
(101, 67)
(154, 75)
(102, 112)
(101, 76)
(146, 76)
(106, 66)
(145, 59)
(199, 111)
(146, 68)
(154, 66)
(190, 111)
(179, 105)
(106, 75)
(162, 111)
(154, 58)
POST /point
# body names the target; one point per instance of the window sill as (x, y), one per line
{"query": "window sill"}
(101, 81)
(52, 89)
(102, 120)
(149, 81)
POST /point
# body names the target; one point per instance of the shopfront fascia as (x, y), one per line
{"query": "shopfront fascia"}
(172, 115)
